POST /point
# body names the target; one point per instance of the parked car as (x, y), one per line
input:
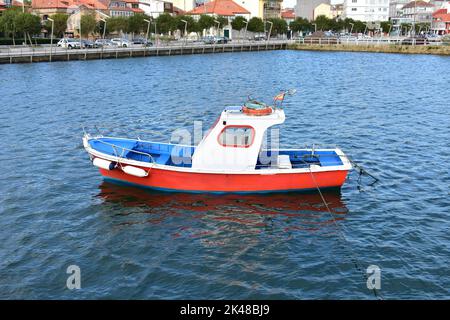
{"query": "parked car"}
(69, 43)
(139, 41)
(121, 42)
(418, 41)
(88, 44)
(259, 38)
(221, 40)
(208, 40)
(104, 43)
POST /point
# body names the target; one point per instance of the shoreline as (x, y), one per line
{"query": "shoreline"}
(434, 50)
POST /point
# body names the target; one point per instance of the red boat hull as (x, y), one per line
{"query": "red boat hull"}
(208, 182)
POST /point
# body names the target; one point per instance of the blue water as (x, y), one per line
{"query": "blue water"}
(389, 112)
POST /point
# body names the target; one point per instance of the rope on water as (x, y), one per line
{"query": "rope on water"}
(344, 240)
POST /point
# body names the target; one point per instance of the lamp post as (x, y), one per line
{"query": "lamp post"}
(185, 30)
(156, 34)
(351, 29)
(148, 28)
(365, 29)
(390, 28)
(51, 37)
(270, 30)
(315, 27)
(104, 28)
(218, 26)
(245, 30)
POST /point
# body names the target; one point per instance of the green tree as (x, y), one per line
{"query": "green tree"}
(8, 22)
(165, 23)
(238, 23)
(279, 26)
(385, 26)
(255, 25)
(28, 23)
(118, 24)
(223, 21)
(59, 25)
(359, 26)
(88, 24)
(136, 23)
(192, 25)
(323, 23)
(301, 24)
(205, 22)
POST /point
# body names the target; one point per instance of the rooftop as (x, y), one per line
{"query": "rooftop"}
(288, 14)
(220, 8)
(64, 4)
(418, 3)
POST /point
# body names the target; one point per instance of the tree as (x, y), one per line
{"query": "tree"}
(255, 25)
(118, 24)
(59, 24)
(223, 21)
(385, 26)
(88, 24)
(136, 23)
(165, 23)
(8, 22)
(323, 23)
(192, 25)
(238, 23)
(205, 22)
(300, 24)
(28, 23)
(279, 26)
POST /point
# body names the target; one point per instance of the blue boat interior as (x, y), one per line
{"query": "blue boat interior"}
(181, 156)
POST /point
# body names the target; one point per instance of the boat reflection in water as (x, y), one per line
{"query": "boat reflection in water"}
(216, 218)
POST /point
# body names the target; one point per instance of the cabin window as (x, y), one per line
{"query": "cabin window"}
(237, 136)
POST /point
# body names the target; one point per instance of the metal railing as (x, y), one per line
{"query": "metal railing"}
(367, 41)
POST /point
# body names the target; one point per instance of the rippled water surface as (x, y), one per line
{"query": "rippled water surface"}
(389, 112)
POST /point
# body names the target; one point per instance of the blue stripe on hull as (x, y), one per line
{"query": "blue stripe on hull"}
(126, 183)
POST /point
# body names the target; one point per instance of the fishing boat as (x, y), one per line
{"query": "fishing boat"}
(230, 158)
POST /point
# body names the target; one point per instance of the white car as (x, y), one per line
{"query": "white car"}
(121, 42)
(69, 43)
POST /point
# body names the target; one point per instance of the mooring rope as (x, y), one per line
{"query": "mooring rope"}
(353, 257)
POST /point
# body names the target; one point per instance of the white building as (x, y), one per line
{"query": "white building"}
(185, 5)
(366, 10)
(154, 8)
(254, 6)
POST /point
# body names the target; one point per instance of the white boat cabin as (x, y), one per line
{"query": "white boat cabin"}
(234, 141)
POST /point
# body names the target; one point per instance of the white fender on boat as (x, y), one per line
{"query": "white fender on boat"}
(104, 164)
(134, 171)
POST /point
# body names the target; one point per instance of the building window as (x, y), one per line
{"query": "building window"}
(354, 1)
(353, 9)
(237, 136)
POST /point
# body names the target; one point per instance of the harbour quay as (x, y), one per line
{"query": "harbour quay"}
(27, 54)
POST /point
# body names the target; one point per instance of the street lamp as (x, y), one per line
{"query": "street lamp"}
(104, 27)
(315, 27)
(218, 26)
(245, 30)
(351, 29)
(390, 28)
(51, 38)
(185, 30)
(365, 29)
(148, 28)
(270, 30)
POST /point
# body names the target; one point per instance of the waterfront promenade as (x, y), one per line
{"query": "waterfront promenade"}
(46, 53)
(22, 54)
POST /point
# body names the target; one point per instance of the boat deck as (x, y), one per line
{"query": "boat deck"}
(181, 155)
